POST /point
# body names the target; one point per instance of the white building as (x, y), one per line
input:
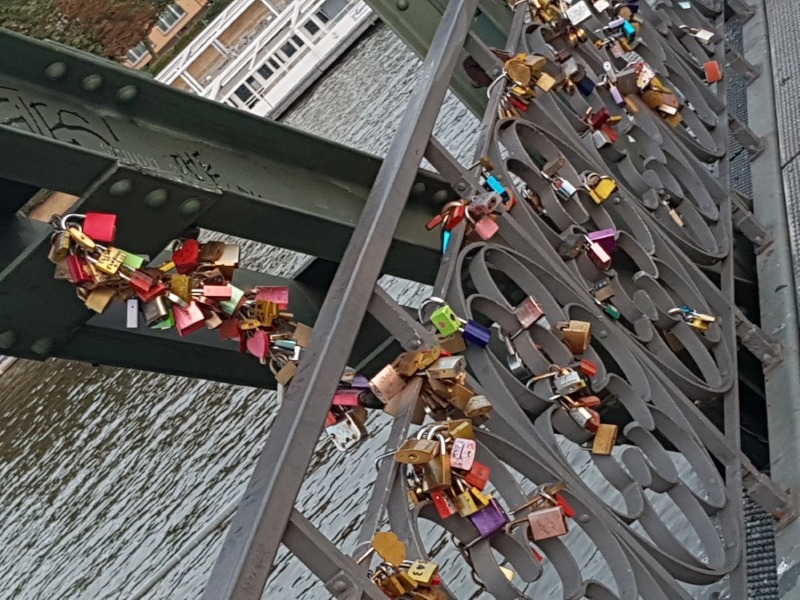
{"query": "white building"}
(258, 59)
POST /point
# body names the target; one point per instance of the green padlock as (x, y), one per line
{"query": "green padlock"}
(443, 318)
(133, 261)
(230, 306)
(611, 311)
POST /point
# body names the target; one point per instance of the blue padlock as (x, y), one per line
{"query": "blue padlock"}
(629, 30)
(477, 334)
(496, 186)
(585, 86)
(445, 240)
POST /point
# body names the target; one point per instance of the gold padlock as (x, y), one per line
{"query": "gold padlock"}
(111, 260)
(423, 571)
(576, 335)
(436, 474)
(604, 439)
(417, 452)
(100, 298)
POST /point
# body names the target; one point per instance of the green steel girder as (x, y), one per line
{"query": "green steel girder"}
(76, 122)
(415, 22)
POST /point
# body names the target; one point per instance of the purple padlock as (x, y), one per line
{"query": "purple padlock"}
(477, 334)
(360, 382)
(606, 238)
(489, 519)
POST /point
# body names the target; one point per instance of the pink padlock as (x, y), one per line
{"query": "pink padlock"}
(101, 227)
(486, 228)
(258, 344)
(346, 397)
(607, 238)
(599, 256)
(462, 454)
(279, 294)
(189, 319)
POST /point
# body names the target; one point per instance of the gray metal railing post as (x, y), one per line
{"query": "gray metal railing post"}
(247, 555)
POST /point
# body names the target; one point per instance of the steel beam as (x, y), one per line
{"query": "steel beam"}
(249, 550)
(253, 178)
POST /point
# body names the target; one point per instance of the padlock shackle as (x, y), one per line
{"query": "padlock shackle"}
(63, 219)
(432, 300)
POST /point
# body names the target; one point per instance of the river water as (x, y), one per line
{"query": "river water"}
(107, 472)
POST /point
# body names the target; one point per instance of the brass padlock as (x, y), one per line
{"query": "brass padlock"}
(110, 260)
(454, 343)
(436, 475)
(406, 363)
(576, 335)
(99, 299)
(181, 286)
(605, 438)
(465, 503)
(461, 428)
(417, 451)
(59, 247)
(423, 571)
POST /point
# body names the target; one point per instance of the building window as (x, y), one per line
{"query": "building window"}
(276, 62)
(288, 49)
(311, 27)
(170, 17)
(243, 93)
(136, 53)
(265, 72)
(298, 41)
(322, 17)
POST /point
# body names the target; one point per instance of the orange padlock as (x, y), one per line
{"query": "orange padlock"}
(713, 72)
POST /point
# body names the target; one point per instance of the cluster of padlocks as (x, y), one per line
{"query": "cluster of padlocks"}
(190, 291)
(399, 577)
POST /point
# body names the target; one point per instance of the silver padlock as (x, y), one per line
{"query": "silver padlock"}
(447, 367)
(345, 433)
(568, 383)
(563, 188)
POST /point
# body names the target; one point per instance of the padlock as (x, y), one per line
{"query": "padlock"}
(345, 433)
(231, 305)
(101, 227)
(628, 30)
(606, 238)
(258, 344)
(266, 311)
(59, 247)
(563, 188)
(393, 585)
(79, 272)
(464, 501)
(423, 571)
(228, 260)
(133, 261)
(571, 245)
(286, 373)
(156, 290)
(407, 364)
(600, 138)
(408, 583)
(598, 255)
(704, 36)
(187, 256)
(462, 453)
(576, 335)
(443, 504)
(604, 439)
(547, 523)
(110, 260)
(181, 286)
(436, 474)
(218, 292)
(486, 228)
(249, 324)
(586, 418)
(627, 82)
(386, 384)
(568, 382)
(346, 397)
(99, 299)
(445, 320)
(616, 95)
(490, 519)
(578, 12)
(475, 333)
(461, 429)
(601, 190)
(189, 319)
(603, 290)
(546, 82)
(529, 312)
(478, 406)
(156, 311)
(478, 476)
(417, 451)
(278, 294)
(713, 71)
(588, 368)
(447, 367)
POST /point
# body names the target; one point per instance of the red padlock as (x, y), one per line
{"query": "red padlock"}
(331, 419)
(455, 216)
(713, 72)
(444, 505)
(141, 281)
(568, 510)
(478, 475)
(187, 257)
(101, 227)
(588, 368)
(218, 292)
(346, 397)
(229, 330)
(79, 271)
(434, 222)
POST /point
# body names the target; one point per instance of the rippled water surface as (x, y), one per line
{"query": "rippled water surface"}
(106, 472)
